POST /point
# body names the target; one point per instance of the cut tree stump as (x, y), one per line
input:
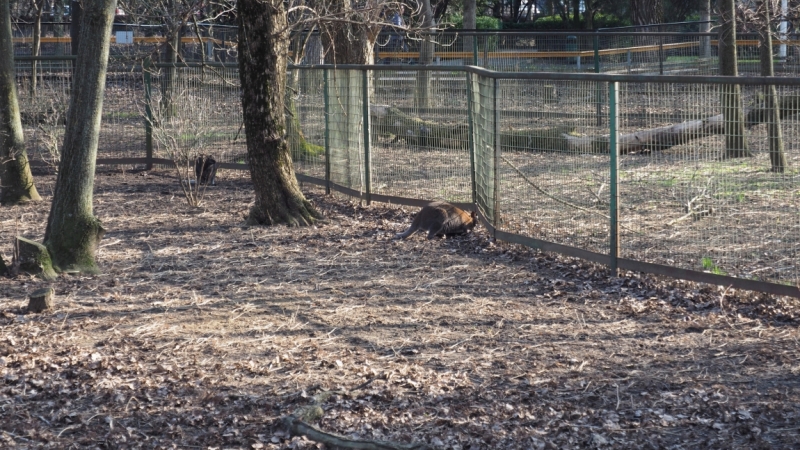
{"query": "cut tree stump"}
(41, 299)
(35, 259)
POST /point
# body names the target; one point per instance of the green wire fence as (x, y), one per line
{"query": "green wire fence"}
(634, 172)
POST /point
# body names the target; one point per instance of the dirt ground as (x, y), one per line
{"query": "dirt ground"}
(204, 333)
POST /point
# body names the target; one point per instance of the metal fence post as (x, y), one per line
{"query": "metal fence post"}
(596, 44)
(613, 149)
(326, 95)
(148, 112)
(471, 138)
(497, 155)
(367, 137)
(475, 50)
(599, 90)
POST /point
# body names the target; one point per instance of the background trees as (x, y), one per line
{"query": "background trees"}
(16, 180)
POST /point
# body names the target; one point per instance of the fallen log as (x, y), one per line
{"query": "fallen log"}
(391, 121)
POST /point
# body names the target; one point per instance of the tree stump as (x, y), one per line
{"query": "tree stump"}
(35, 259)
(41, 299)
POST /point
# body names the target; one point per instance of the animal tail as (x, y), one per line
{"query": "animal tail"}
(411, 230)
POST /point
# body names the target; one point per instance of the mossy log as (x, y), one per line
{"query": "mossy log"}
(35, 259)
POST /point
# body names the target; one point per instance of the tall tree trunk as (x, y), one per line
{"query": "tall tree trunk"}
(576, 14)
(705, 27)
(171, 55)
(76, 18)
(470, 22)
(588, 14)
(37, 44)
(647, 12)
(263, 55)
(58, 31)
(732, 110)
(422, 97)
(352, 39)
(777, 155)
(73, 232)
(16, 181)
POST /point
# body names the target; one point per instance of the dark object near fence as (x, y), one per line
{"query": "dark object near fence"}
(441, 219)
(205, 169)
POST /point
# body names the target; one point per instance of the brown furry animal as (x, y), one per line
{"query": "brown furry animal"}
(441, 219)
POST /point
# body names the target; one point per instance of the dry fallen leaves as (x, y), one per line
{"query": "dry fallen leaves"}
(203, 333)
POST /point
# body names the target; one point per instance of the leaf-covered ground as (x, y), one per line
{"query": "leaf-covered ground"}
(203, 333)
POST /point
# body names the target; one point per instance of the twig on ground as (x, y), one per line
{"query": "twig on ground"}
(298, 427)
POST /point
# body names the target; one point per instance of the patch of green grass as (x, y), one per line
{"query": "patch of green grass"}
(708, 265)
(668, 183)
(306, 151)
(681, 58)
(123, 115)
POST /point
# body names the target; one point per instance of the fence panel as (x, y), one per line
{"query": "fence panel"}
(483, 91)
(346, 133)
(305, 120)
(43, 90)
(420, 146)
(689, 205)
(196, 111)
(554, 185)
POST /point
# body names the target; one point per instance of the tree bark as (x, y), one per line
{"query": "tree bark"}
(422, 97)
(73, 232)
(735, 139)
(263, 55)
(15, 172)
(647, 12)
(777, 156)
(470, 22)
(705, 27)
(351, 38)
(37, 44)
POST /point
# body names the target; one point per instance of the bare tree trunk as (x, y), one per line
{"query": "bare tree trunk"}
(576, 14)
(351, 40)
(15, 173)
(777, 155)
(470, 22)
(263, 55)
(732, 110)
(705, 27)
(422, 96)
(172, 52)
(37, 44)
(647, 12)
(73, 232)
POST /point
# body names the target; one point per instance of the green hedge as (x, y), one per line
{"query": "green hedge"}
(557, 23)
(481, 22)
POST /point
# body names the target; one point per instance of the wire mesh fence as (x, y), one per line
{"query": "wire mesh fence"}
(664, 49)
(706, 187)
